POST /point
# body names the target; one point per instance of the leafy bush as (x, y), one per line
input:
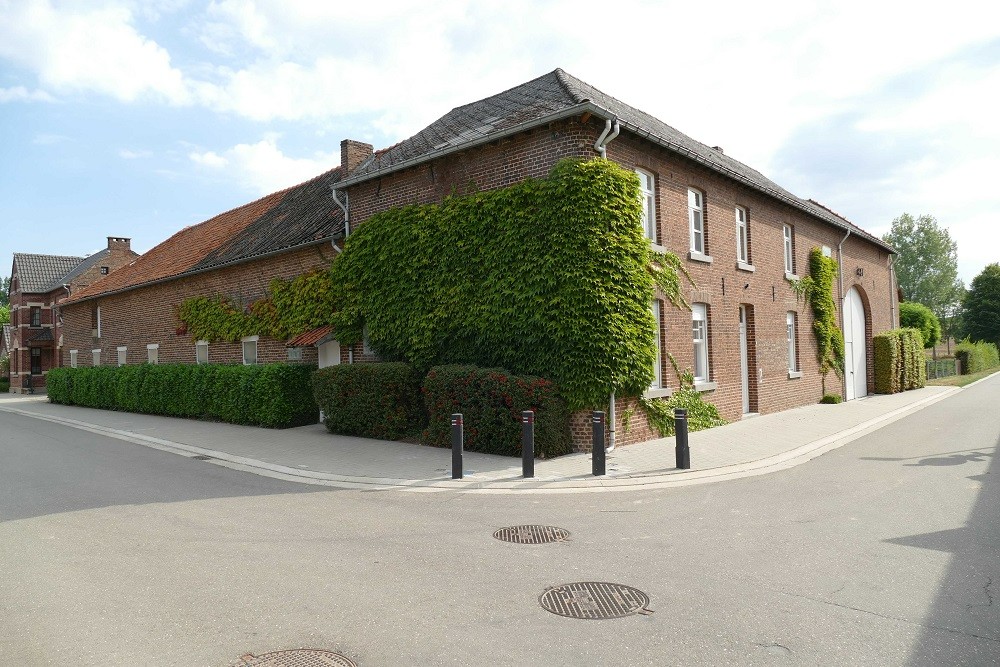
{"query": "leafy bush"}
(831, 399)
(491, 401)
(700, 413)
(899, 361)
(561, 289)
(975, 357)
(273, 395)
(918, 316)
(4, 385)
(372, 400)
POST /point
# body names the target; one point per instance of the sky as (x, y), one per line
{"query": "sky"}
(137, 119)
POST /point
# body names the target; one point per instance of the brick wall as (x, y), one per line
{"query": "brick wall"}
(721, 284)
(148, 315)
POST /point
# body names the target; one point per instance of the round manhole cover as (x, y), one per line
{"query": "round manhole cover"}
(302, 657)
(532, 534)
(595, 600)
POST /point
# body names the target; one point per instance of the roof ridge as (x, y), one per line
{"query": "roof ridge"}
(564, 77)
(39, 254)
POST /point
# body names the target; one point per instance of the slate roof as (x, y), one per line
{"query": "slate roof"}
(85, 264)
(559, 95)
(37, 272)
(297, 216)
(40, 336)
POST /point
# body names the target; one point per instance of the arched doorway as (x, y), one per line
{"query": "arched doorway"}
(855, 348)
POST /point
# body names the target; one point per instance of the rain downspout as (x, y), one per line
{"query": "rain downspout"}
(892, 290)
(601, 146)
(345, 207)
(840, 272)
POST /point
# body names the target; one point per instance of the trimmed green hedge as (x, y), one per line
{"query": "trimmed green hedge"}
(491, 401)
(272, 395)
(371, 400)
(4, 385)
(899, 361)
(977, 357)
(549, 277)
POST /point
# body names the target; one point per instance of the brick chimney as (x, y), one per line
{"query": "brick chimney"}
(120, 244)
(353, 153)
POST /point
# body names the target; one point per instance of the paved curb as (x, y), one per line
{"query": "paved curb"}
(516, 485)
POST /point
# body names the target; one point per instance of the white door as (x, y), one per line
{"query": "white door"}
(329, 354)
(855, 364)
(744, 362)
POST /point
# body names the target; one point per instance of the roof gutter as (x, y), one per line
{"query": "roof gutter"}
(345, 207)
(188, 274)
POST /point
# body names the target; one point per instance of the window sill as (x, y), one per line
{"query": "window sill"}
(698, 257)
(656, 247)
(745, 267)
(705, 386)
(790, 276)
(660, 392)
(794, 375)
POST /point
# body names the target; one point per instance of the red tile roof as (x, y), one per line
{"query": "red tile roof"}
(310, 337)
(300, 215)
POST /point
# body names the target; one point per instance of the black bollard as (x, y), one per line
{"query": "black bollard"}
(681, 432)
(528, 443)
(598, 447)
(457, 444)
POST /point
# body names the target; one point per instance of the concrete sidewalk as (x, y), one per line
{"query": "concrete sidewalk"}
(311, 455)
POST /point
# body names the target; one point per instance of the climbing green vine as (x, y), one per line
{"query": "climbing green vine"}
(289, 308)
(817, 289)
(701, 413)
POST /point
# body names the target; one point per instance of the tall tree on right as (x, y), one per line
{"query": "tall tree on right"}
(927, 265)
(981, 309)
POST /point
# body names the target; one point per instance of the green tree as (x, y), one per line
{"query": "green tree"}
(981, 309)
(920, 317)
(927, 265)
(5, 292)
(4, 314)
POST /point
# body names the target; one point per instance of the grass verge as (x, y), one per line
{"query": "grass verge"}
(961, 380)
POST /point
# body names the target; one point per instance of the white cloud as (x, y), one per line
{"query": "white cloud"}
(127, 154)
(87, 48)
(262, 168)
(22, 94)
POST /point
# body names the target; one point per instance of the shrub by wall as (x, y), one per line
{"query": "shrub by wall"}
(549, 277)
(899, 361)
(976, 357)
(4, 385)
(272, 395)
(491, 401)
(371, 400)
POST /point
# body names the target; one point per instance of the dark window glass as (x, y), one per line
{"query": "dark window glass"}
(36, 316)
(36, 361)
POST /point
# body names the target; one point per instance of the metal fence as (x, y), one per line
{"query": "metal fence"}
(942, 368)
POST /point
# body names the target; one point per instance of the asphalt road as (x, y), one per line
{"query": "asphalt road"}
(884, 552)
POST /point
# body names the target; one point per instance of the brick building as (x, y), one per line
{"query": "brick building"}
(39, 285)
(132, 317)
(749, 339)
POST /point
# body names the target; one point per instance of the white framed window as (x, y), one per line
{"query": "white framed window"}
(742, 236)
(658, 360)
(647, 192)
(793, 364)
(365, 346)
(201, 352)
(250, 350)
(788, 234)
(122, 356)
(699, 334)
(73, 354)
(153, 353)
(96, 354)
(696, 221)
(295, 354)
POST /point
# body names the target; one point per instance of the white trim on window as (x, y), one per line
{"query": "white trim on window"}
(365, 346)
(122, 355)
(250, 350)
(742, 236)
(696, 221)
(647, 193)
(699, 335)
(153, 353)
(73, 355)
(96, 356)
(98, 321)
(791, 336)
(201, 352)
(788, 235)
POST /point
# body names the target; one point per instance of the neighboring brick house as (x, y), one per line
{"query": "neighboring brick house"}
(748, 339)
(39, 284)
(132, 317)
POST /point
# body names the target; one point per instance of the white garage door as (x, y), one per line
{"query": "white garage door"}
(855, 354)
